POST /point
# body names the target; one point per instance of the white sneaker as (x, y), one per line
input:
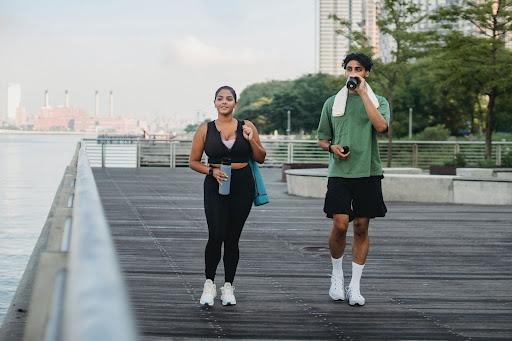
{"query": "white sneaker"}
(228, 296)
(336, 291)
(354, 297)
(209, 293)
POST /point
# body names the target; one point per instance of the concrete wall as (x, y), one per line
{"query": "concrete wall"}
(474, 191)
(414, 187)
(418, 188)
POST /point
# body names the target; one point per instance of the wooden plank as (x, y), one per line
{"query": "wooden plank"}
(433, 272)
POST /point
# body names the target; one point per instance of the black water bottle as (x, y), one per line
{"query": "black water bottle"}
(352, 83)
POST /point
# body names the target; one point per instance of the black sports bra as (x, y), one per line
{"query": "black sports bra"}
(216, 150)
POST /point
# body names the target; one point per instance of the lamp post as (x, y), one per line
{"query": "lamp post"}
(289, 125)
(410, 122)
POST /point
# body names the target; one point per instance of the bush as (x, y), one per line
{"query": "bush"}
(458, 161)
(436, 133)
(486, 164)
(506, 160)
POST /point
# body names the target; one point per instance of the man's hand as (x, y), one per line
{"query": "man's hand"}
(339, 152)
(361, 87)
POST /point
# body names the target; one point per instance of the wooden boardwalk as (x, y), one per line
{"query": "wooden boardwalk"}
(433, 272)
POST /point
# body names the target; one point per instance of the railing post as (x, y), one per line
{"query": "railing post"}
(173, 155)
(170, 154)
(138, 154)
(498, 155)
(289, 156)
(456, 149)
(291, 152)
(103, 155)
(415, 155)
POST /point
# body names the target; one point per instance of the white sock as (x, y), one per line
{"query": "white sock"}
(357, 271)
(337, 266)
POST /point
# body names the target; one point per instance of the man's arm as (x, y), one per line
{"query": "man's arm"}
(377, 120)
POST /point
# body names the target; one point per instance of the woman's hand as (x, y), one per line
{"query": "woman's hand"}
(219, 175)
(248, 133)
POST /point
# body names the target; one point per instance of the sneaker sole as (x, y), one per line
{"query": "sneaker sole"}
(356, 304)
(336, 298)
(228, 303)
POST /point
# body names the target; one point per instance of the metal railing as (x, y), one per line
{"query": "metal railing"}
(421, 154)
(79, 293)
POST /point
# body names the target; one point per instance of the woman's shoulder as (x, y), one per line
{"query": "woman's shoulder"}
(203, 127)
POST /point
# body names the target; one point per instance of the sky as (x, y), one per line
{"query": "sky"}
(161, 58)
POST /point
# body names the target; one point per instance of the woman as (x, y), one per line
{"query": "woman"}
(225, 214)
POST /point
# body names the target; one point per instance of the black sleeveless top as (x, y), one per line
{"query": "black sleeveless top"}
(216, 150)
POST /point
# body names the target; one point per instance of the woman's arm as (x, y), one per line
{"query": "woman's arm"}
(196, 152)
(251, 135)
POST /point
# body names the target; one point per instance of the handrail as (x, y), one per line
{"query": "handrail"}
(96, 301)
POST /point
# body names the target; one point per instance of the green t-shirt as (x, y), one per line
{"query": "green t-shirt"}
(355, 130)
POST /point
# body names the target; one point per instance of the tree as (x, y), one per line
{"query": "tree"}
(267, 104)
(397, 21)
(486, 57)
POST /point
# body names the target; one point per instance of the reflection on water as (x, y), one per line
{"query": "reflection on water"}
(31, 168)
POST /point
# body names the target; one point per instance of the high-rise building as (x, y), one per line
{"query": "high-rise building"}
(331, 46)
(13, 100)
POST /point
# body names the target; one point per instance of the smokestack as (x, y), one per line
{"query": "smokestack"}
(97, 104)
(111, 104)
(46, 98)
(66, 95)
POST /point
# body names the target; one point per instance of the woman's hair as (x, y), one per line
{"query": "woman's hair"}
(361, 58)
(226, 87)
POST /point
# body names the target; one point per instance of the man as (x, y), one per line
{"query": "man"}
(348, 127)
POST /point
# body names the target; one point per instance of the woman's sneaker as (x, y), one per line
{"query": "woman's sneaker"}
(354, 297)
(209, 293)
(227, 294)
(337, 291)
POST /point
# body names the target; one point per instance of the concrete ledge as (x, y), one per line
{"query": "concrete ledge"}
(418, 188)
(475, 172)
(414, 187)
(482, 191)
(503, 173)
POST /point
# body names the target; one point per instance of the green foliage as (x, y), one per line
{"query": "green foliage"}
(482, 57)
(506, 160)
(436, 133)
(191, 128)
(267, 104)
(459, 160)
(486, 164)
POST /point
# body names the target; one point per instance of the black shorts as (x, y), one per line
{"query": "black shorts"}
(358, 197)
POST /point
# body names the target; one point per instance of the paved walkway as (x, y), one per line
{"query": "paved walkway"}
(434, 271)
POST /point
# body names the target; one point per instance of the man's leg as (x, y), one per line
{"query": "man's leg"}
(338, 237)
(360, 247)
(361, 240)
(337, 242)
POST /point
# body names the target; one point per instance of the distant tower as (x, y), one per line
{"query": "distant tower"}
(97, 104)
(13, 100)
(111, 114)
(46, 99)
(332, 47)
(66, 95)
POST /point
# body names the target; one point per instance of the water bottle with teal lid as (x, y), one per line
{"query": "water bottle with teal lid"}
(225, 185)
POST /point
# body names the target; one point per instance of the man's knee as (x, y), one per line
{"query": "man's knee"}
(361, 226)
(340, 223)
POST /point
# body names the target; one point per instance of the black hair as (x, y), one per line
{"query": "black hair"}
(361, 58)
(226, 87)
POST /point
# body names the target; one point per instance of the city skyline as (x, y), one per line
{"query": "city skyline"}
(162, 60)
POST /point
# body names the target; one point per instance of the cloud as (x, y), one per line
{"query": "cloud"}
(194, 52)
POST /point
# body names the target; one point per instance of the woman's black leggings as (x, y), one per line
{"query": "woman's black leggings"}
(226, 215)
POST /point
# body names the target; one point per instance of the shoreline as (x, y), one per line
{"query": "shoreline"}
(27, 132)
